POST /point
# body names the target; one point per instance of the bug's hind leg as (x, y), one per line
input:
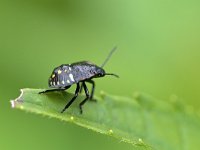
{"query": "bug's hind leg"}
(53, 90)
(72, 100)
(87, 97)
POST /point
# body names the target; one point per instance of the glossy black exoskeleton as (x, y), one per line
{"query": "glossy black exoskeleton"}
(66, 75)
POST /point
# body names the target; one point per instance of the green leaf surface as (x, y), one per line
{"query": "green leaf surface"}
(143, 121)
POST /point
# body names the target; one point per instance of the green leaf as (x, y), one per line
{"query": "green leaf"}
(143, 121)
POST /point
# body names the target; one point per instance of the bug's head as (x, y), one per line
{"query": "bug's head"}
(101, 73)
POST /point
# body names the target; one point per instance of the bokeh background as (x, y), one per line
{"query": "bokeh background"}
(158, 53)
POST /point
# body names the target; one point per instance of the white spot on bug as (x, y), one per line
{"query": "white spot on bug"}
(51, 83)
(53, 76)
(58, 83)
(65, 70)
(59, 71)
(71, 77)
(70, 68)
(63, 82)
(54, 83)
(68, 81)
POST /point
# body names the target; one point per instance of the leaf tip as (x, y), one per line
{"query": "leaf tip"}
(12, 102)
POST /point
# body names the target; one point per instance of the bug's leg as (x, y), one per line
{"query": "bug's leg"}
(52, 90)
(87, 97)
(81, 88)
(93, 88)
(72, 100)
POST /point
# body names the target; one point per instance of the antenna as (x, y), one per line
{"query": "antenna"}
(108, 57)
(112, 74)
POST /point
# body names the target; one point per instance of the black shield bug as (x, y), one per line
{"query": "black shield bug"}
(66, 75)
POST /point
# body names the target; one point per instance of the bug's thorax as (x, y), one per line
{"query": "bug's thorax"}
(86, 70)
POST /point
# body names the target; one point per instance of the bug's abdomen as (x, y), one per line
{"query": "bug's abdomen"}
(61, 77)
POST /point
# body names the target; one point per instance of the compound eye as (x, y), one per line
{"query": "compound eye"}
(100, 74)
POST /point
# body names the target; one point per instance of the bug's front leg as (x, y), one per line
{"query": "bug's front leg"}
(93, 89)
(72, 100)
(87, 97)
(81, 88)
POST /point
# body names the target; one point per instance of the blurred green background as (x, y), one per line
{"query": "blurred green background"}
(158, 53)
